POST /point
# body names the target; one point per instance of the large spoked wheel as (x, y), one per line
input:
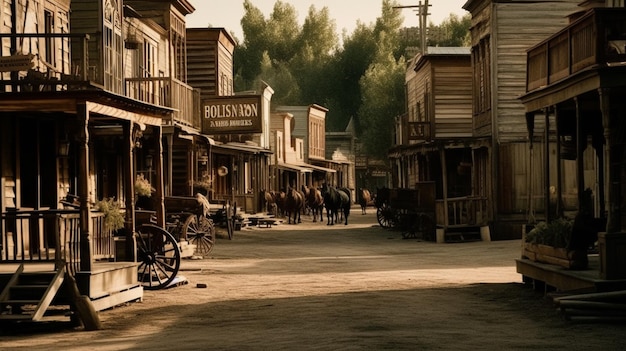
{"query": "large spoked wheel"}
(421, 226)
(158, 255)
(385, 216)
(199, 231)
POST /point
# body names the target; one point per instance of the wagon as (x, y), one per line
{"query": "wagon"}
(190, 223)
(410, 210)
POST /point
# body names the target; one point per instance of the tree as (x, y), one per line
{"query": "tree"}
(382, 89)
(456, 31)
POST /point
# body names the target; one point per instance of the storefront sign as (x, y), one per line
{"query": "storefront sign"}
(232, 115)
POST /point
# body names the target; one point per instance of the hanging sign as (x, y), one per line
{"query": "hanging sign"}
(232, 115)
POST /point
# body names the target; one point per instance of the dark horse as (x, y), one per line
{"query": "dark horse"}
(364, 200)
(336, 200)
(294, 204)
(314, 201)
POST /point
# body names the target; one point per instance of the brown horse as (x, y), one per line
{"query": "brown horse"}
(270, 202)
(313, 200)
(294, 204)
(364, 200)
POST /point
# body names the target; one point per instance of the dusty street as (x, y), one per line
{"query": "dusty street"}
(354, 287)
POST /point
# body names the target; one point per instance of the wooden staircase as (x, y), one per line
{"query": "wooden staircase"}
(28, 295)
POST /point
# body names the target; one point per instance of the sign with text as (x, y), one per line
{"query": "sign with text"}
(232, 115)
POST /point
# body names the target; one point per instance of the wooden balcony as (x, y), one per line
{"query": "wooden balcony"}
(168, 92)
(45, 62)
(596, 39)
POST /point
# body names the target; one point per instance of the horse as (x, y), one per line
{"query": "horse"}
(294, 203)
(364, 200)
(279, 200)
(336, 200)
(270, 201)
(315, 201)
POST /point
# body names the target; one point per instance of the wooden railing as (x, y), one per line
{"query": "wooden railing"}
(52, 236)
(597, 38)
(462, 211)
(168, 92)
(27, 68)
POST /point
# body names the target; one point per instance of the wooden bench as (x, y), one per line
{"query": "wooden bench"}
(268, 222)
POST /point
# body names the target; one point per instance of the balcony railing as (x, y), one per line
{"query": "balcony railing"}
(168, 92)
(51, 236)
(598, 38)
(44, 62)
(462, 211)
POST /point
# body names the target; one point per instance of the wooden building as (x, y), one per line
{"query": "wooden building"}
(238, 159)
(309, 125)
(436, 143)
(82, 117)
(580, 101)
(501, 32)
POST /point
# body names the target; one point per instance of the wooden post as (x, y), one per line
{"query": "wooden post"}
(444, 177)
(129, 130)
(580, 166)
(613, 223)
(546, 174)
(530, 128)
(160, 202)
(83, 187)
(559, 182)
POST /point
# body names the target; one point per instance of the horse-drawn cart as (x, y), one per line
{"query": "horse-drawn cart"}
(189, 229)
(410, 210)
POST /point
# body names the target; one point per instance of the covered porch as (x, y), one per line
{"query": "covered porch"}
(62, 153)
(584, 96)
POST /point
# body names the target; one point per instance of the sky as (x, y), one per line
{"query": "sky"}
(228, 13)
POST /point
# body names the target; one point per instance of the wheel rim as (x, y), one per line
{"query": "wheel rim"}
(384, 215)
(200, 233)
(158, 255)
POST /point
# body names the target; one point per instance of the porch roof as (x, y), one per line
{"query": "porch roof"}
(291, 167)
(253, 149)
(320, 168)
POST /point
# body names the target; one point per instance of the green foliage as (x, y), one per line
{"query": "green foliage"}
(383, 99)
(361, 80)
(556, 233)
(457, 31)
(113, 215)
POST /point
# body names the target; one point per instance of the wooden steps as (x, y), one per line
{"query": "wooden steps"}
(462, 233)
(28, 295)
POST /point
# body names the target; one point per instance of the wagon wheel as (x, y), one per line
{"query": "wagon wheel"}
(199, 231)
(385, 216)
(158, 255)
(422, 226)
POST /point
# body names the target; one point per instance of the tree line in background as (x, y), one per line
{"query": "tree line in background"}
(360, 78)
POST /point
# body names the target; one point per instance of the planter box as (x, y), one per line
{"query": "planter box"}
(554, 255)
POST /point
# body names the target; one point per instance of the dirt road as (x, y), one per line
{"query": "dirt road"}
(356, 287)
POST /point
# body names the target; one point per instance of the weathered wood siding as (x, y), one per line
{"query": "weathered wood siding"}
(518, 174)
(452, 87)
(87, 18)
(517, 26)
(210, 61)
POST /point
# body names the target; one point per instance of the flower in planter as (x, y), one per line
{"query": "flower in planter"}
(113, 215)
(557, 233)
(143, 187)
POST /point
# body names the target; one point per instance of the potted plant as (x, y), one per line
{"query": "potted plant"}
(143, 187)
(113, 215)
(550, 243)
(204, 185)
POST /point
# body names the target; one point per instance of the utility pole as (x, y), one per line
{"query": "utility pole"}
(422, 13)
